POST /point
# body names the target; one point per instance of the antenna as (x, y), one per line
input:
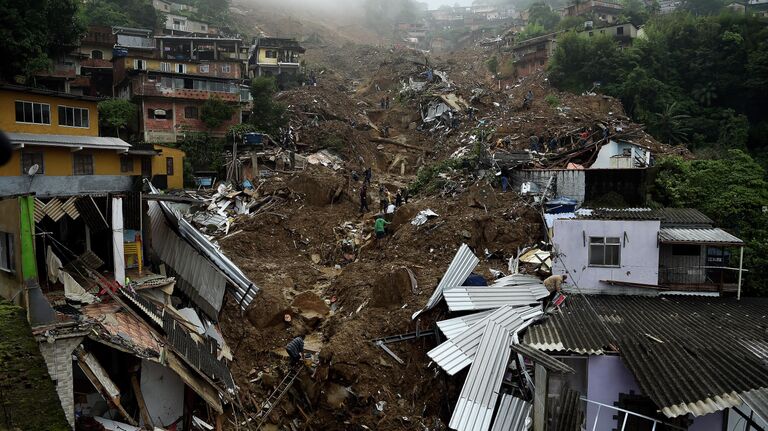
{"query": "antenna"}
(33, 170)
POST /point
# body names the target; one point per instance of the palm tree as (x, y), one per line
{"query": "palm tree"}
(670, 126)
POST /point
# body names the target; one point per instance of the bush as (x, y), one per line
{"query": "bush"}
(552, 101)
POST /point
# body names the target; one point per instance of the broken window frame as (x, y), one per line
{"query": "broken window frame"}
(598, 251)
(7, 260)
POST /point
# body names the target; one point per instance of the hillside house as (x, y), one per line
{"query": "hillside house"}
(272, 56)
(647, 252)
(623, 34)
(533, 54)
(605, 11)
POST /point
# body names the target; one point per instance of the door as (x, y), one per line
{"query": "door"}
(146, 167)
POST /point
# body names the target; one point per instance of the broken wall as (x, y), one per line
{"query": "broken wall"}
(10, 223)
(58, 358)
(569, 183)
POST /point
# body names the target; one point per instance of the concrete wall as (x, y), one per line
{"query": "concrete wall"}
(58, 358)
(639, 255)
(11, 282)
(171, 129)
(607, 378)
(159, 166)
(46, 186)
(606, 160)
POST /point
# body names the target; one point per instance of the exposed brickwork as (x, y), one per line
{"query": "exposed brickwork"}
(58, 358)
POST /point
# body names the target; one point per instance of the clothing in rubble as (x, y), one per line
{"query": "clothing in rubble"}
(295, 349)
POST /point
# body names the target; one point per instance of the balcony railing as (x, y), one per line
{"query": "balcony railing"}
(699, 278)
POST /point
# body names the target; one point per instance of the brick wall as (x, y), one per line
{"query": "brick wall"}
(58, 358)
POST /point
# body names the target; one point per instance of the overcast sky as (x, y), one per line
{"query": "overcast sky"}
(434, 4)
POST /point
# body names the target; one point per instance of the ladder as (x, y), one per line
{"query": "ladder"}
(274, 398)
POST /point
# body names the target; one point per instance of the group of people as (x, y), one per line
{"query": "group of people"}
(384, 102)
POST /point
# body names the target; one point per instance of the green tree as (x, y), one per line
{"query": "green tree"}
(130, 13)
(117, 114)
(542, 14)
(732, 191)
(669, 126)
(492, 64)
(267, 115)
(203, 152)
(33, 33)
(215, 112)
(635, 12)
(702, 7)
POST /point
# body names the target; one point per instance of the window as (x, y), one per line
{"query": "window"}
(6, 252)
(190, 112)
(225, 68)
(126, 164)
(73, 117)
(203, 27)
(591, 33)
(619, 31)
(270, 54)
(159, 114)
(97, 55)
(181, 68)
(31, 112)
(83, 164)
(165, 67)
(139, 64)
(169, 165)
(604, 251)
(29, 159)
(204, 68)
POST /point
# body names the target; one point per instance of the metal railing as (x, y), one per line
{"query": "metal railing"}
(627, 413)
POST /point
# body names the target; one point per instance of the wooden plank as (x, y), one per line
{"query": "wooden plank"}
(140, 401)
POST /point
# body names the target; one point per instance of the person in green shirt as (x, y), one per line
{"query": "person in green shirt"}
(380, 228)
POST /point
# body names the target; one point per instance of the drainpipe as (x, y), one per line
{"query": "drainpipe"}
(39, 311)
(741, 262)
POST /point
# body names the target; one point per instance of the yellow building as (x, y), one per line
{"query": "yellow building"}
(59, 134)
(275, 56)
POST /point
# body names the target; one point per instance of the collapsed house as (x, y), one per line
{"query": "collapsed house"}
(124, 304)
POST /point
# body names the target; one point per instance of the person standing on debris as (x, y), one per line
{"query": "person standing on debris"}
(295, 349)
(406, 194)
(386, 103)
(504, 183)
(535, 143)
(382, 102)
(364, 199)
(553, 283)
(383, 202)
(471, 113)
(368, 175)
(398, 198)
(583, 137)
(528, 100)
(380, 228)
(553, 143)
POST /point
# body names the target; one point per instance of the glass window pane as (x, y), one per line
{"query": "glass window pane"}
(27, 112)
(596, 254)
(38, 118)
(19, 111)
(78, 119)
(47, 114)
(612, 241)
(612, 255)
(86, 120)
(596, 240)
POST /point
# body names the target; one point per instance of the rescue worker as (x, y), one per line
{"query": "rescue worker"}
(295, 349)
(380, 228)
(364, 199)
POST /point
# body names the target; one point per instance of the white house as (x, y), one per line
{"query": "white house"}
(645, 251)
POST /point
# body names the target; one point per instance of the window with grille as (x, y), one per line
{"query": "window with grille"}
(181, 68)
(604, 251)
(169, 165)
(29, 159)
(73, 117)
(165, 67)
(191, 112)
(83, 164)
(225, 68)
(31, 112)
(204, 68)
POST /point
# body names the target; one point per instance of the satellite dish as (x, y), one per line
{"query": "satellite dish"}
(33, 169)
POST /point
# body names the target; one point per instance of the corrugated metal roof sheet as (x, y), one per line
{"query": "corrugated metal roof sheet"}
(457, 325)
(243, 290)
(461, 266)
(198, 278)
(681, 350)
(697, 236)
(520, 291)
(456, 353)
(757, 400)
(678, 217)
(512, 414)
(477, 400)
(542, 359)
(99, 142)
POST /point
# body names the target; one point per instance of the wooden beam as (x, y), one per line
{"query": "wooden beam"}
(398, 143)
(140, 401)
(172, 198)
